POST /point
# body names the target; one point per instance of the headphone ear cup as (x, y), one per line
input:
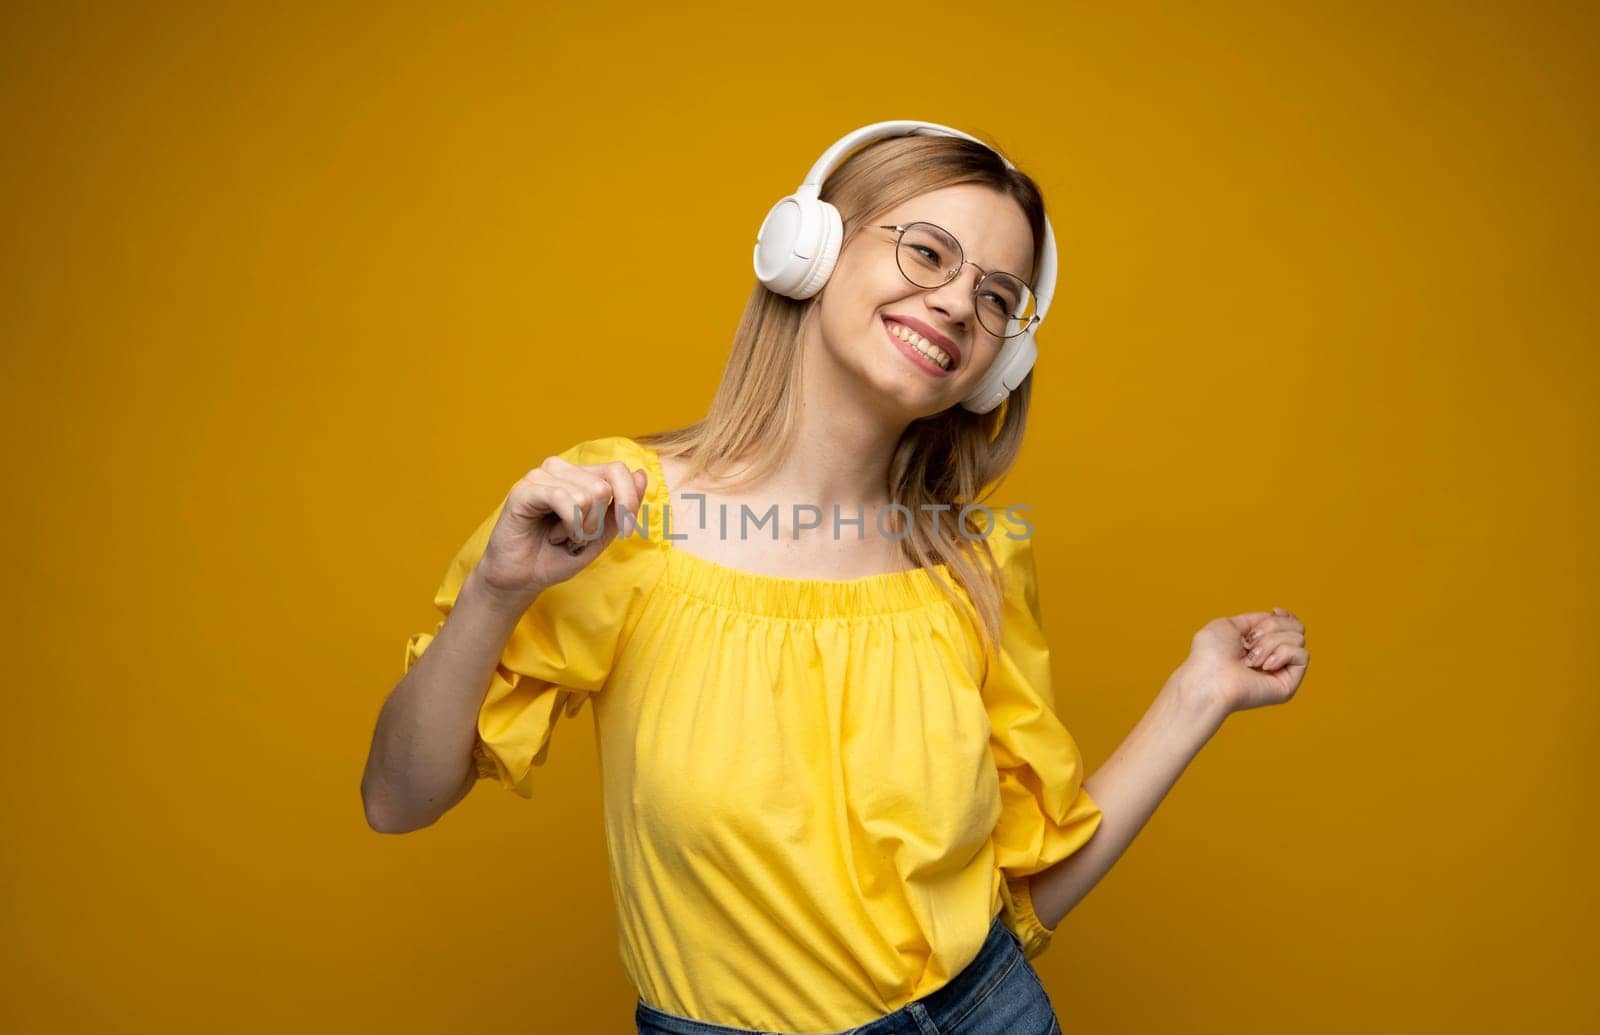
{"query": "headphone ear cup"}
(827, 253)
(797, 246)
(1016, 358)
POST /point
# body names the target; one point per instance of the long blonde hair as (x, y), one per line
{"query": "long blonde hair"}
(955, 457)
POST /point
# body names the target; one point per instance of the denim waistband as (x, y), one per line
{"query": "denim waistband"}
(939, 1011)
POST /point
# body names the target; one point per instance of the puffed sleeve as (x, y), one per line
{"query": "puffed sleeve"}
(1045, 814)
(562, 648)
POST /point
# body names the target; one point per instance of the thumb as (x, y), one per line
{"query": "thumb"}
(1241, 622)
(636, 521)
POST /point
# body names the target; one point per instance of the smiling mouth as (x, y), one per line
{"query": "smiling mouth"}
(920, 345)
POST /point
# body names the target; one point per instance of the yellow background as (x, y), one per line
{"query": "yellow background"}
(291, 297)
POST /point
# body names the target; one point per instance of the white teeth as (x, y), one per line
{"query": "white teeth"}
(921, 344)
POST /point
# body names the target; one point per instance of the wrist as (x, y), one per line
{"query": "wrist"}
(507, 601)
(1196, 699)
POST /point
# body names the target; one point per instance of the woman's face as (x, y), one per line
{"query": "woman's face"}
(867, 295)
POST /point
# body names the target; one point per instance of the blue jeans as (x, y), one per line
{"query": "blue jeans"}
(998, 993)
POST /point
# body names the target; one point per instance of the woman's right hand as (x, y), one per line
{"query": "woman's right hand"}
(536, 542)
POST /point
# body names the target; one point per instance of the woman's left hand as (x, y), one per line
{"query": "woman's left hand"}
(1247, 661)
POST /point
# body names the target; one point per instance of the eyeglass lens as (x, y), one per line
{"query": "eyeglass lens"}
(931, 258)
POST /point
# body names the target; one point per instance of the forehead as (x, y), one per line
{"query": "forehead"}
(992, 228)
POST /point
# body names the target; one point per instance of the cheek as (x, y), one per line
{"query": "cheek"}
(836, 328)
(850, 311)
(985, 354)
(860, 288)
(851, 305)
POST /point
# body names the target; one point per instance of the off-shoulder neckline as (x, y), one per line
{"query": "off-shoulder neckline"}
(916, 579)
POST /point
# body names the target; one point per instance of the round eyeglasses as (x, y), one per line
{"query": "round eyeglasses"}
(930, 257)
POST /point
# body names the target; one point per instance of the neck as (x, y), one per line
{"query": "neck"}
(843, 443)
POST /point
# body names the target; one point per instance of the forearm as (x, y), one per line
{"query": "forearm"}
(421, 755)
(1128, 787)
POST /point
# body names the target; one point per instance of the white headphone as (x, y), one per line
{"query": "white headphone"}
(799, 243)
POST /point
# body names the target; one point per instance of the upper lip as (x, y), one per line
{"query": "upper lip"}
(932, 335)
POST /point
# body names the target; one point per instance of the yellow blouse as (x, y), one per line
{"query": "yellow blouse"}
(818, 793)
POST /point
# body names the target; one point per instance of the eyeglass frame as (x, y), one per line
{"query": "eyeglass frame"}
(901, 231)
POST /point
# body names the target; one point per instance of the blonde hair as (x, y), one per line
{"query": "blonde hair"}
(955, 457)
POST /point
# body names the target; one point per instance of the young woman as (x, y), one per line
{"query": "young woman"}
(837, 793)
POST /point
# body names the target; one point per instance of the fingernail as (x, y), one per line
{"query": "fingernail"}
(1253, 654)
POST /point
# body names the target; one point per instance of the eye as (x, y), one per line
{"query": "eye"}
(1000, 302)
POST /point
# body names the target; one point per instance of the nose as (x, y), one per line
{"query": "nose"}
(955, 299)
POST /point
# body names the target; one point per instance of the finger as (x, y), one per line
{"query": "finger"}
(1259, 630)
(1289, 617)
(641, 481)
(1243, 623)
(1286, 656)
(567, 503)
(532, 496)
(569, 499)
(611, 490)
(592, 490)
(1271, 632)
(1259, 651)
(584, 505)
(1273, 623)
(625, 489)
